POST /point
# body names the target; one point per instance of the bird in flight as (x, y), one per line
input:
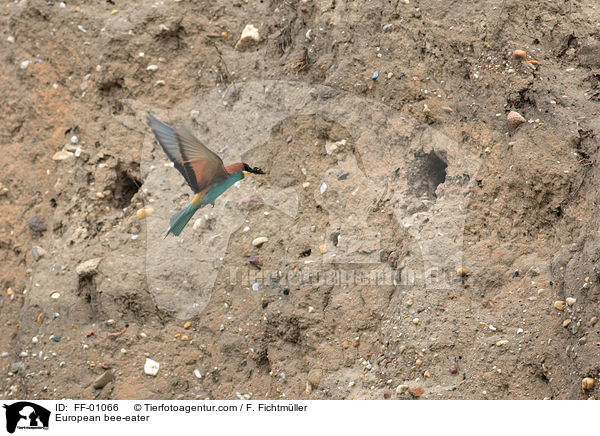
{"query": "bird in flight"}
(202, 169)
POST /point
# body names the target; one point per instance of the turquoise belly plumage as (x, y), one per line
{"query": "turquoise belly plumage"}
(212, 195)
(181, 218)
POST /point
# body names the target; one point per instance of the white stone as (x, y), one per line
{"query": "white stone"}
(401, 389)
(250, 36)
(62, 155)
(197, 224)
(260, 241)
(570, 300)
(151, 367)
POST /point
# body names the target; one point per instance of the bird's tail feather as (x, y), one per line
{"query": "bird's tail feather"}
(180, 219)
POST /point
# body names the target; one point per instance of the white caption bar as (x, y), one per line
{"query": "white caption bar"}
(284, 418)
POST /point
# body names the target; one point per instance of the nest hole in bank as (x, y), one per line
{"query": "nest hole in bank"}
(426, 172)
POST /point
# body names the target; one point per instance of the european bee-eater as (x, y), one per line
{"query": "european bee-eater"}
(202, 169)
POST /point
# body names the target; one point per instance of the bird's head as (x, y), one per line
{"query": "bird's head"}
(251, 170)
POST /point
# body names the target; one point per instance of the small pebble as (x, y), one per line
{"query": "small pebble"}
(56, 338)
(286, 291)
(453, 369)
(152, 67)
(144, 212)
(462, 272)
(197, 224)
(37, 252)
(401, 389)
(151, 367)
(197, 373)
(417, 391)
(520, 54)
(375, 75)
(88, 268)
(559, 304)
(587, 384)
(514, 119)
(570, 301)
(258, 242)
(62, 155)
(187, 325)
(314, 377)
(254, 260)
(37, 225)
(249, 37)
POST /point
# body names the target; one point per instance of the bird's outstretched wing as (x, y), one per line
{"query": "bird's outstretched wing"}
(199, 166)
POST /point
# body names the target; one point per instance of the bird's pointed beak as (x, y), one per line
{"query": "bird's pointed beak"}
(245, 173)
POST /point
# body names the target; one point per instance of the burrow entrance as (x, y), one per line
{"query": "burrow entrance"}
(425, 173)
